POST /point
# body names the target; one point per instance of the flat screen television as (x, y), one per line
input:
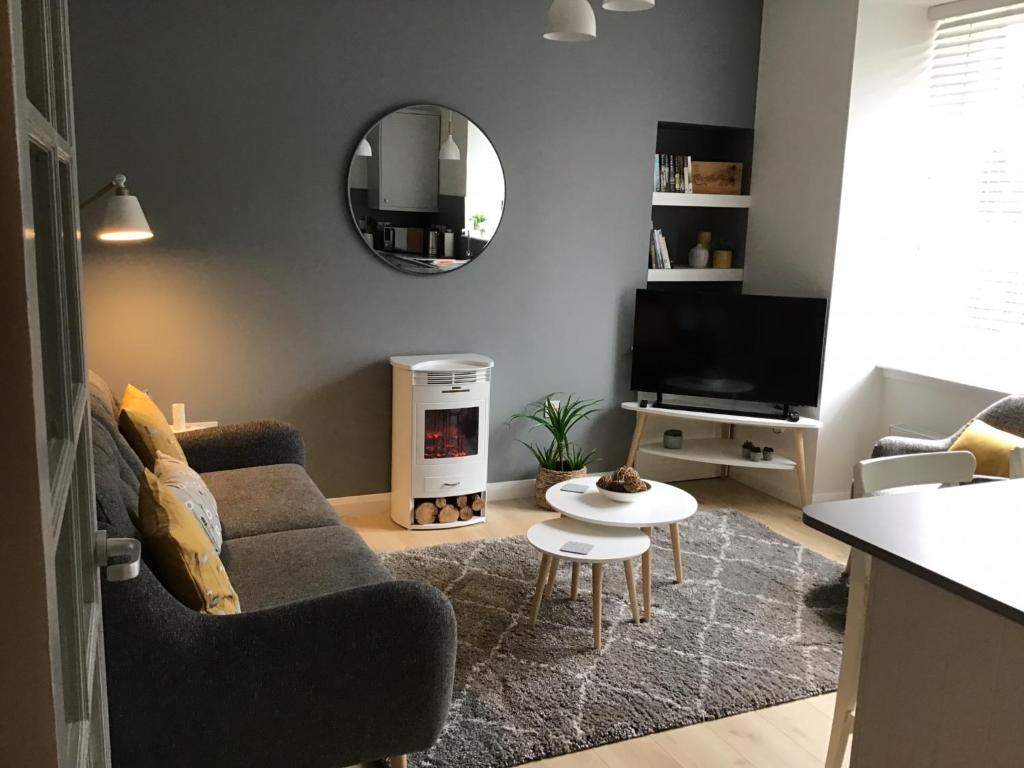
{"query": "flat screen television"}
(755, 349)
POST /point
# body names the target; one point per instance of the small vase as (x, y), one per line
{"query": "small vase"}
(699, 256)
(548, 477)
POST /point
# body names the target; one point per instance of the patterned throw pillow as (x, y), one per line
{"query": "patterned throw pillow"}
(189, 487)
(145, 427)
(180, 553)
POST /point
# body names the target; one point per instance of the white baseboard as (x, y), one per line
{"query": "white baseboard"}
(354, 501)
(830, 496)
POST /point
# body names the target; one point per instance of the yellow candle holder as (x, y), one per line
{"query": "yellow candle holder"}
(721, 259)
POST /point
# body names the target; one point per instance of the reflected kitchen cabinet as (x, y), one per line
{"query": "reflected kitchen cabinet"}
(402, 174)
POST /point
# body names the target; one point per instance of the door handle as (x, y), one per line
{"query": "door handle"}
(129, 551)
(451, 485)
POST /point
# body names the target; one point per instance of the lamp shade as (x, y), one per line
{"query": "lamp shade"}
(124, 221)
(627, 5)
(449, 149)
(364, 149)
(571, 21)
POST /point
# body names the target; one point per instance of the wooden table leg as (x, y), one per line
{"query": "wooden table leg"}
(677, 551)
(638, 434)
(598, 573)
(849, 666)
(801, 466)
(645, 567)
(552, 574)
(399, 761)
(631, 586)
(575, 580)
(539, 594)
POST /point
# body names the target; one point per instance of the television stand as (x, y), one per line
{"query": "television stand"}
(725, 450)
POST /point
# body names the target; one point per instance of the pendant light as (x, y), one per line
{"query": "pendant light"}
(364, 149)
(449, 149)
(571, 21)
(123, 220)
(627, 5)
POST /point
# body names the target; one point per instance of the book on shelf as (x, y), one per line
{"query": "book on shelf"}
(658, 255)
(673, 173)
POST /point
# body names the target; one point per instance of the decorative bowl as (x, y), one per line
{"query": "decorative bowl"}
(624, 497)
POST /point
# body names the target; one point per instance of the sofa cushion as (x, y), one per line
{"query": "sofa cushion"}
(279, 568)
(179, 551)
(117, 469)
(188, 486)
(145, 427)
(278, 497)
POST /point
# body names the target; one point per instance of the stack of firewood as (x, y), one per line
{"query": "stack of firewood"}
(449, 509)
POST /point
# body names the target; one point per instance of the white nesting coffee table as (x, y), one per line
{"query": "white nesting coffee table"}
(609, 545)
(662, 505)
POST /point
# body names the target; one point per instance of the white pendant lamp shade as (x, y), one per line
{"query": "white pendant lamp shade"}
(364, 149)
(571, 21)
(124, 221)
(627, 5)
(449, 149)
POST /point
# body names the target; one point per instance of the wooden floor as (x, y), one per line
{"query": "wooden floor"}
(793, 735)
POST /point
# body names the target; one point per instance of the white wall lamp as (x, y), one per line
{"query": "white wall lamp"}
(123, 221)
(573, 21)
(364, 149)
(449, 149)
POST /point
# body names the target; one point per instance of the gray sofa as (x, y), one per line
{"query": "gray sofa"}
(331, 662)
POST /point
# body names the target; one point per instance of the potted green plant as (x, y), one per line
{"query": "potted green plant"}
(478, 222)
(561, 458)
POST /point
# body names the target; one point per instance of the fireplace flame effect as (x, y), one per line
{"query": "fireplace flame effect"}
(450, 433)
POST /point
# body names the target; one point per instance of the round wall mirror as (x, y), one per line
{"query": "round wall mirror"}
(426, 189)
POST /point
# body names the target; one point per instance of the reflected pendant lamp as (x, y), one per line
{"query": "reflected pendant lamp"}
(449, 149)
(123, 220)
(364, 149)
(627, 5)
(571, 21)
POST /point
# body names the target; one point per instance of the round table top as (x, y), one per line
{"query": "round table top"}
(609, 544)
(662, 505)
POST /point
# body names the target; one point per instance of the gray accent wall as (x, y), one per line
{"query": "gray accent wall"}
(234, 122)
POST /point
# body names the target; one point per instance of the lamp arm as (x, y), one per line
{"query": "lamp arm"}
(117, 183)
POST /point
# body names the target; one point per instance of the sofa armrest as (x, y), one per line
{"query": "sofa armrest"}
(336, 680)
(247, 444)
(900, 446)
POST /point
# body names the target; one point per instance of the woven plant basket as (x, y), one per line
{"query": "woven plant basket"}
(548, 477)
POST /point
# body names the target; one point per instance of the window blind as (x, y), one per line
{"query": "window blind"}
(976, 195)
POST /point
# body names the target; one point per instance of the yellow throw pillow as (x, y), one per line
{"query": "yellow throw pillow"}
(145, 428)
(179, 551)
(990, 446)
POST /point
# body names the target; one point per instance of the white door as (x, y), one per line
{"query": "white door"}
(52, 678)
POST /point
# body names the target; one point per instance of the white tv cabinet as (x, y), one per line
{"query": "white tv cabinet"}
(724, 450)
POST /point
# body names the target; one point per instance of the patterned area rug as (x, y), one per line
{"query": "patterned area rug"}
(757, 621)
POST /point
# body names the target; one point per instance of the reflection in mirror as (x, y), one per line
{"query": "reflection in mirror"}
(426, 189)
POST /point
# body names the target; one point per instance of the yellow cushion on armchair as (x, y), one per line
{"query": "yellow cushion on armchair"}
(991, 447)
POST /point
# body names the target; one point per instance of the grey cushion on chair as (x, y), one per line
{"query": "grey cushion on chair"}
(1006, 414)
(256, 500)
(279, 568)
